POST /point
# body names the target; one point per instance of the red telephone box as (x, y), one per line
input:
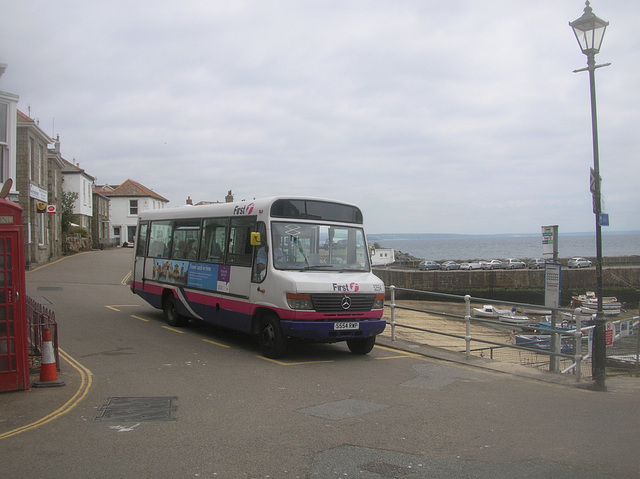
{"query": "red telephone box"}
(14, 352)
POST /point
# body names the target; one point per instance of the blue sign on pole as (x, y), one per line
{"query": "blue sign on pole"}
(604, 219)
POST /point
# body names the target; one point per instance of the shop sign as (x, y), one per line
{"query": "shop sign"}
(37, 193)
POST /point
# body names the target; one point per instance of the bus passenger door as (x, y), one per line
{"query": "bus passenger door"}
(140, 248)
(240, 255)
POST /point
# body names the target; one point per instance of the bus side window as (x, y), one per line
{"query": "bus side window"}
(186, 235)
(239, 248)
(141, 242)
(159, 239)
(214, 233)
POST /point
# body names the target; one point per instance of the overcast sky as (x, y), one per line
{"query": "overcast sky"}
(454, 116)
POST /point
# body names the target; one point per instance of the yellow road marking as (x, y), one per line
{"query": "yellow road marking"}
(173, 329)
(83, 389)
(217, 344)
(282, 363)
(403, 356)
(138, 317)
(54, 262)
(114, 307)
(400, 354)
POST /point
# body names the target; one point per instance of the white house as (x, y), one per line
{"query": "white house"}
(382, 256)
(8, 119)
(126, 201)
(76, 180)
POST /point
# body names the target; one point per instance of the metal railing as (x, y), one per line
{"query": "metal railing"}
(570, 339)
(40, 318)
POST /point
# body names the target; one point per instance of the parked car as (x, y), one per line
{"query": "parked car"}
(579, 263)
(493, 264)
(514, 263)
(447, 265)
(537, 263)
(471, 265)
(428, 265)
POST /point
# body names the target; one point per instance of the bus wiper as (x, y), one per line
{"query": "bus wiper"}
(317, 266)
(297, 241)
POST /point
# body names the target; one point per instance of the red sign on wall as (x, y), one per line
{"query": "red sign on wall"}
(608, 334)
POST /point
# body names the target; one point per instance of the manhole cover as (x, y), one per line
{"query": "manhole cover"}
(137, 409)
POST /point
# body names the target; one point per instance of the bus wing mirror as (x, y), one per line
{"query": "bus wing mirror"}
(255, 239)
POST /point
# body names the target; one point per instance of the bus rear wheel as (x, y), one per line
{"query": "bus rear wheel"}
(170, 311)
(273, 342)
(361, 345)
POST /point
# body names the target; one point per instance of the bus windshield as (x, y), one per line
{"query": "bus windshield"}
(304, 246)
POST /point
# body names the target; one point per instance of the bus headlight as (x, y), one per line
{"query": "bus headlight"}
(299, 301)
(378, 303)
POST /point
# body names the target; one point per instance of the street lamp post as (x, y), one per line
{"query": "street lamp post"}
(589, 31)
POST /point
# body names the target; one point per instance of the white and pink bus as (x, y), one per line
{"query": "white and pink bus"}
(280, 268)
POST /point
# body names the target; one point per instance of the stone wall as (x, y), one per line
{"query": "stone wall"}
(75, 243)
(616, 281)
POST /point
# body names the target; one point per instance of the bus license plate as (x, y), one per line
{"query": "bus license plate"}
(342, 326)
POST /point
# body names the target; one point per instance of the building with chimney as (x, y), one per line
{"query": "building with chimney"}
(125, 202)
(32, 184)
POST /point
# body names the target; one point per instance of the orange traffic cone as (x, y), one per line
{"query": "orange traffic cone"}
(48, 370)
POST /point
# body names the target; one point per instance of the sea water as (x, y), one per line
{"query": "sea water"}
(466, 247)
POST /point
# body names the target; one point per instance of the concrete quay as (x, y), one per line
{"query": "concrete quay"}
(623, 281)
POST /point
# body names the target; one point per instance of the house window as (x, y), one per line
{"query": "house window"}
(3, 159)
(4, 120)
(43, 164)
(32, 160)
(42, 229)
(133, 207)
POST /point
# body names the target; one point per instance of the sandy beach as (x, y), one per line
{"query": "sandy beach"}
(434, 322)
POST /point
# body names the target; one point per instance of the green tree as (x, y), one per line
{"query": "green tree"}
(68, 201)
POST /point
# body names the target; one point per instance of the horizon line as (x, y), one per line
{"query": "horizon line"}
(502, 234)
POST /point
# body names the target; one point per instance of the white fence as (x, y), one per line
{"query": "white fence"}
(563, 347)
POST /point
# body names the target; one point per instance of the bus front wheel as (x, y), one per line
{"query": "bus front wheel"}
(170, 312)
(361, 345)
(272, 340)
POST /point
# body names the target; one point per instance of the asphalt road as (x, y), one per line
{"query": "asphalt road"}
(143, 400)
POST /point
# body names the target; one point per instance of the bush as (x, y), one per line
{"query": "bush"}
(81, 231)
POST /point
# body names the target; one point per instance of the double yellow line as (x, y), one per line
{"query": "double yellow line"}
(83, 389)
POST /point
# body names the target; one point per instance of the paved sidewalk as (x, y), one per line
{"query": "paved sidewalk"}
(613, 383)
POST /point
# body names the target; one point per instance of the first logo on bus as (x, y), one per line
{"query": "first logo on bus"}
(243, 210)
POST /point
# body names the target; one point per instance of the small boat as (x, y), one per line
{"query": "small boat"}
(607, 311)
(577, 300)
(567, 323)
(543, 342)
(489, 311)
(536, 312)
(611, 307)
(585, 316)
(513, 318)
(590, 298)
(607, 303)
